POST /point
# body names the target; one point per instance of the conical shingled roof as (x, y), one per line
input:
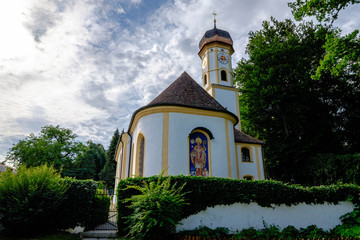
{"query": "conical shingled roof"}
(184, 91)
(244, 138)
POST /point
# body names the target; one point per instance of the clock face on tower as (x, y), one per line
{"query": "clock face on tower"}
(223, 58)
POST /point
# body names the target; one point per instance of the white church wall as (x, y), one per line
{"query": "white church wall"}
(227, 99)
(180, 126)
(211, 60)
(249, 168)
(232, 150)
(240, 216)
(261, 162)
(151, 127)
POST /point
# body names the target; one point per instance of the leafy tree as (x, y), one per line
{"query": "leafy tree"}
(323, 10)
(108, 173)
(342, 60)
(296, 115)
(54, 146)
(343, 52)
(89, 164)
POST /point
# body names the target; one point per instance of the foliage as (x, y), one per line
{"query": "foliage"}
(268, 232)
(156, 210)
(264, 193)
(52, 236)
(207, 232)
(54, 146)
(109, 171)
(30, 199)
(342, 60)
(89, 165)
(332, 168)
(327, 11)
(38, 200)
(79, 205)
(281, 104)
(100, 210)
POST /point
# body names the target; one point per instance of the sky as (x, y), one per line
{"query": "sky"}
(87, 65)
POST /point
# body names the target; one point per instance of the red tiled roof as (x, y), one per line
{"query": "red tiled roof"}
(244, 138)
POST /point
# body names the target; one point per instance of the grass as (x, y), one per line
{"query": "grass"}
(53, 236)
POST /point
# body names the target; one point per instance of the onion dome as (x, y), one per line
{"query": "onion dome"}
(215, 35)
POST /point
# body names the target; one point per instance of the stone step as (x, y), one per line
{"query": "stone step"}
(99, 234)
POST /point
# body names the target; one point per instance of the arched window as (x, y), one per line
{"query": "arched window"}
(248, 177)
(205, 79)
(245, 155)
(223, 75)
(140, 155)
(199, 153)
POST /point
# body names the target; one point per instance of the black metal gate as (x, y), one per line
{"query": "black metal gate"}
(110, 224)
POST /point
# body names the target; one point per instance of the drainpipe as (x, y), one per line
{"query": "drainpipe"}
(122, 156)
(130, 153)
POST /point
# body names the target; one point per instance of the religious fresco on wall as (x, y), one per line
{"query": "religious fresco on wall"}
(199, 164)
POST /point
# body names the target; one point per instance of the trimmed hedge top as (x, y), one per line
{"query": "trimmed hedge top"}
(211, 191)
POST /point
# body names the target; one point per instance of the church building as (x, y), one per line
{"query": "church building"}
(193, 130)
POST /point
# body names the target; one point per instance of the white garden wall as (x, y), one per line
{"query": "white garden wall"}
(240, 216)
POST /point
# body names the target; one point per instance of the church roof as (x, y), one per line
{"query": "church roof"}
(186, 92)
(215, 35)
(244, 138)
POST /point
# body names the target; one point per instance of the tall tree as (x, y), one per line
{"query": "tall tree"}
(281, 103)
(89, 165)
(109, 171)
(54, 146)
(342, 60)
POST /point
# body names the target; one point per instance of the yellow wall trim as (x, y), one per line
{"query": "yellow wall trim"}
(216, 66)
(137, 167)
(237, 161)
(238, 110)
(165, 144)
(229, 88)
(178, 109)
(125, 140)
(228, 147)
(216, 45)
(258, 163)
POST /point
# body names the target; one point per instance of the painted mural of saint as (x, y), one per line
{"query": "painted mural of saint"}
(198, 158)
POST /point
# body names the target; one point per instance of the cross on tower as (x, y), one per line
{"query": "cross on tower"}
(214, 13)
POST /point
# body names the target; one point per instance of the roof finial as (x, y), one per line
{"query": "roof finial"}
(214, 13)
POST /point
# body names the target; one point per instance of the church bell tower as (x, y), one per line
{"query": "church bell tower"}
(216, 48)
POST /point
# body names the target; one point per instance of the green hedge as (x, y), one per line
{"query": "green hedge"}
(209, 192)
(78, 206)
(38, 200)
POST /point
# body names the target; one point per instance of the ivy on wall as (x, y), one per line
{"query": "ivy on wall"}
(208, 192)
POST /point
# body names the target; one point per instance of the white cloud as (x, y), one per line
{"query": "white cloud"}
(86, 68)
